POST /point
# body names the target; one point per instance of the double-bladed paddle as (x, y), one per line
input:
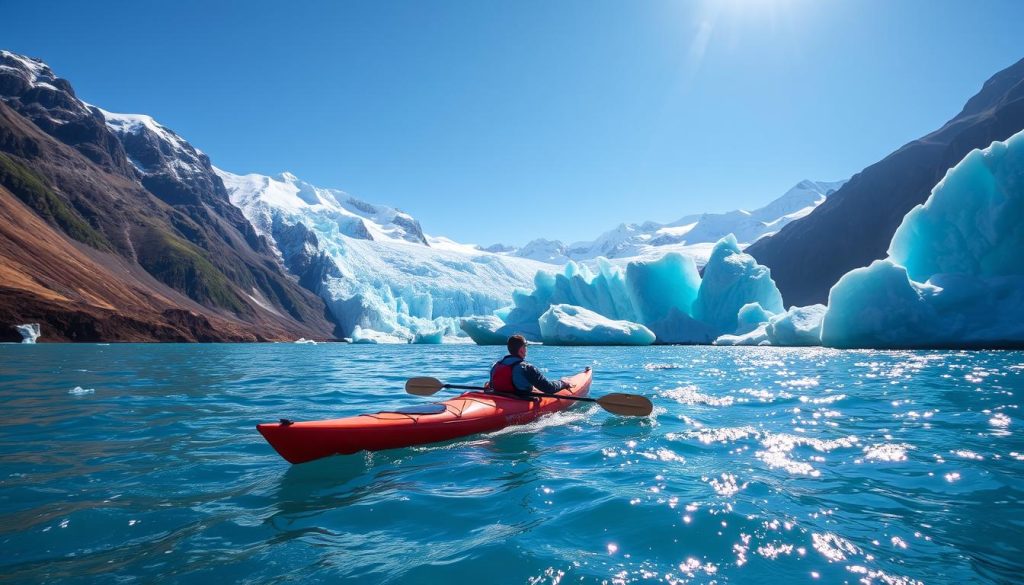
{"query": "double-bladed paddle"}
(615, 403)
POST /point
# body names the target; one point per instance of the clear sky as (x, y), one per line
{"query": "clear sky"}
(502, 121)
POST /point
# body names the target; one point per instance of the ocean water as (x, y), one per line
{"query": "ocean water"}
(141, 463)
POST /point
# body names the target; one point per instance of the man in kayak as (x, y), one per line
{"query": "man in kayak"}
(512, 374)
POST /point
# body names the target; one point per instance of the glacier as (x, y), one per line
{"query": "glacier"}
(382, 278)
(666, 297)
(954, 275)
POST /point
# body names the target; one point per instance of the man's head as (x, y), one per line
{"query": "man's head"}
(517, 346)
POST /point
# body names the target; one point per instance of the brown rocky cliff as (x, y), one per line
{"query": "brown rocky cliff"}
(92, 255)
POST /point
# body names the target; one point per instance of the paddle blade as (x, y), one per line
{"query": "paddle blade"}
(626, 404)
(423, 386)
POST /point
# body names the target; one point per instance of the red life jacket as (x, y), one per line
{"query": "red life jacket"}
(501, 376)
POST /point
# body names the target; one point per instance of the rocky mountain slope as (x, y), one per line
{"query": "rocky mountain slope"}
(111, 236)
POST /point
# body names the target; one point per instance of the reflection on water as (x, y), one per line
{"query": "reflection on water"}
(765, 465)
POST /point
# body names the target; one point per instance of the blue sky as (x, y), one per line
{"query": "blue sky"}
(504, 121)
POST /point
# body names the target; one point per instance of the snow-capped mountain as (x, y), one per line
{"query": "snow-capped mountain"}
(123, 231)
(33, 90)
(262, 198)
(542, 250)
(382, 278)
(693, 235)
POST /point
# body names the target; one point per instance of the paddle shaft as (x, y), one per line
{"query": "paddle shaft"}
(540, 394)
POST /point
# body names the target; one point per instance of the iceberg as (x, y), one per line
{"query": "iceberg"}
(971, 223)
(360, 335)
(491, 330)
(750, 317)
(657, 287)
(731, 280)
(435, 337)
(667, 296)
(569, 325)
(954, 276)
(882, 307)
(29, 332)
(679, 327)
(604, 293)
(758, 336)
(799, 326)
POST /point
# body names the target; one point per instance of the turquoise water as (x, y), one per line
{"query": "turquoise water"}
(760, 465)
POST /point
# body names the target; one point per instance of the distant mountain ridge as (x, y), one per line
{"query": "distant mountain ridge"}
(117, 228)
(855, 225)
(692, 234)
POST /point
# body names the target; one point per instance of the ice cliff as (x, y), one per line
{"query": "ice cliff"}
(663, 300)
(954, 276)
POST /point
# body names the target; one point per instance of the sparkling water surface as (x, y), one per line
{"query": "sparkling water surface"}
(141, 463)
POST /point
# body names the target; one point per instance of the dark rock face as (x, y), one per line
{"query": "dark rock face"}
(854, 225)
(413, 231)
(29, 87)
(300, 249)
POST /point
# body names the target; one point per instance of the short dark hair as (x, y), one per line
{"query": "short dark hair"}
(515, 343)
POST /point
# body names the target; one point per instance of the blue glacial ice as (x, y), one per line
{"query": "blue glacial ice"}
(570, 325)
(662, 295)
(751, 329)
(662, 292)
(750, 317)
(434, 337)
(955, 273)
(756, 336)
(797, 326)
(731, 280)
(882, 307)
(487, 330)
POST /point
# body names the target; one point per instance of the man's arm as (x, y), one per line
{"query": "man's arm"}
(538, 381)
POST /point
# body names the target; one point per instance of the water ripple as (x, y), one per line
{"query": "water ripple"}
(140, 463)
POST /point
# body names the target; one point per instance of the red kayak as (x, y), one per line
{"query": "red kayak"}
(467, 414)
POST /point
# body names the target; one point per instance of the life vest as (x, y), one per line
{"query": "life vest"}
(501, 376)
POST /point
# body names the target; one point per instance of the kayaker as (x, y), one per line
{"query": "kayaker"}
(513, 374)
